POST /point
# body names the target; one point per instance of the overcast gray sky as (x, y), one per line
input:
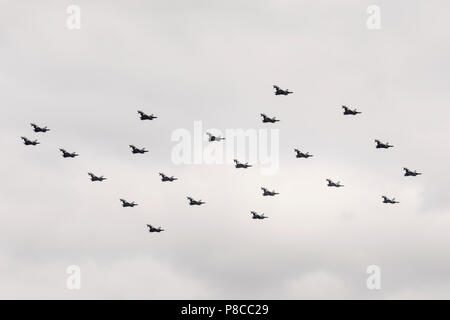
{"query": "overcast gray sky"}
(216, 62)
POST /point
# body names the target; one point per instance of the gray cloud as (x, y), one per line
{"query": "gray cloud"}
(216, 62)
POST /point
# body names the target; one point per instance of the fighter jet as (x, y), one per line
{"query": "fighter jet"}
(348, 111)
(387, 200)
(66, 154)
(268, 193)
(36, 128)
(146, 116)
(193, 202)
(411, 173)
(381, 145)
(267, 119)
(214, 138)
(334, 184)
(279, 91)
(258, 216)
(241, 165)
(153, 229)
(302, 155)
(165, 178)
(125, 203)
(137, 150)
(28, 142)
(95, 178)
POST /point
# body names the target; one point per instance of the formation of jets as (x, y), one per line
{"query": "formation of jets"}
(212, 138)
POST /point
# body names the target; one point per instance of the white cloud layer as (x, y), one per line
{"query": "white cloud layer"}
(216, 62)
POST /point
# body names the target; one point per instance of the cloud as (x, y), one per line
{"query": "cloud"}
(216, 63)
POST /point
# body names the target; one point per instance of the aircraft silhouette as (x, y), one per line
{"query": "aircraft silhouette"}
(411, 173)
(28, 142)
(267, 119)
(334, 184)
(137, 150)
(381, 145)
(66, 154)
(193, 202)
(146, 116)
(165, 178)
(268, 193)
(279, 91)
(348, 111)
(36, 128)
(387, 200)
(302, 155)
(95, 178)
(241, 165)
(258, 216)
(214, 138)
(153, 229)
(125, 203)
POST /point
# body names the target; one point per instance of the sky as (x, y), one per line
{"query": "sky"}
(215, 62)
